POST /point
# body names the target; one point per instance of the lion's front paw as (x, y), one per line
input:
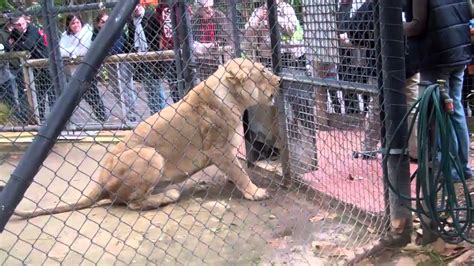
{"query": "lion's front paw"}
(259, 194)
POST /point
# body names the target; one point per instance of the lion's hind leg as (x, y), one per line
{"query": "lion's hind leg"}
(134, 174)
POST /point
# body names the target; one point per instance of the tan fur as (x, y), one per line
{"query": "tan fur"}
(183, 139)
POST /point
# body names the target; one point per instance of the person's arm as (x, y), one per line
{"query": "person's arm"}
(258, 16)
(418, 24)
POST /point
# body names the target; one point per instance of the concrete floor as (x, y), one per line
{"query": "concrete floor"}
(211, 223)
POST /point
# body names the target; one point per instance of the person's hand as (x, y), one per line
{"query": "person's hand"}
(344, 39)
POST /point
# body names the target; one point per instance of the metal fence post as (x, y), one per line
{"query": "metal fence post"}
(186, 38)
(235, 27)
(38, 151)
(394, 106)
(279, 101)
(176, 48)
(56, 64)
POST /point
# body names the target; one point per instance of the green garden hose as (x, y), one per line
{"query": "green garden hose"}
(436, 203)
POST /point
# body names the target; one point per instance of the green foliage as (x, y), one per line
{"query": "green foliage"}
(6, 5)
(5, 113)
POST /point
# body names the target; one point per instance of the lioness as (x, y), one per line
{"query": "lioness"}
(181, 140)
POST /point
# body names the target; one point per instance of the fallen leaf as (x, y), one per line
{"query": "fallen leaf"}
(322, 216)
(330, 249)
(278, 243)
(370, 230)
(318, 217)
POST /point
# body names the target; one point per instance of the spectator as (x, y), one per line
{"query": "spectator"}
(446, 52)
(212, 31)
(143, 29)
(349, 68)
(26, 37)
(292, 46)
(74, 42)
(121, 74)
(8, 88)
(165, 35)
(412, 30)
(361, 35)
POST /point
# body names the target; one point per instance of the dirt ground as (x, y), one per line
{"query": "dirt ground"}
(210, 224)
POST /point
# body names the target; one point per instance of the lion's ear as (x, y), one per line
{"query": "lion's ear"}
(236, 74)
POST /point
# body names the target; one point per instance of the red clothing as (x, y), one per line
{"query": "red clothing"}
(163, 14)
(165, 33)
(208, 31)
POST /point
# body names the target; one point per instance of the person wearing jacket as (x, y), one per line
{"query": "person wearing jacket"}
(26, 37)
(120, 74)
(8, 87)
(361, 35)
(165, 35)
(445, 54)
(143, 29)
(74, 42)
(413, 47)
(211, 30)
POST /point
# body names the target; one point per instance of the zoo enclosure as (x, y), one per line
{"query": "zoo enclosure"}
(321, 110)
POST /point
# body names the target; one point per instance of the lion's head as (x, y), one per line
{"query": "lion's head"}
(255, 83)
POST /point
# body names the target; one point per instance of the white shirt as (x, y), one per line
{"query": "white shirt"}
(74, 45)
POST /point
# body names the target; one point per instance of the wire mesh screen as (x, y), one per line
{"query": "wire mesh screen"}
(174, 153)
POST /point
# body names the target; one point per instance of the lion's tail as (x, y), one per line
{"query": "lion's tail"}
(85, 202)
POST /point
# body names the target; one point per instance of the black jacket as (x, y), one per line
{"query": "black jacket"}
(361, 34)
(446, 40)
(150, 27)
(30, 41)
(413, 45)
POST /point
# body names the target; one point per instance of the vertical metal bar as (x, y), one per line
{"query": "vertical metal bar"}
(279, 101)
(378, 48)
(393, 71)
(176, 48)
(275, 38)
(235, 27)
(186, 38)
(56, 64)
(37, 152)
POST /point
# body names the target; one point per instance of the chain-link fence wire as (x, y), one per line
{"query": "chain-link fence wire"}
(329, 92)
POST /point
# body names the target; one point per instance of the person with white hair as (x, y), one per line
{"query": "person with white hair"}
(257, 34)
(212, 30)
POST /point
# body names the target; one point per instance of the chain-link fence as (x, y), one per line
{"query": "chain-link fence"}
(314, 151)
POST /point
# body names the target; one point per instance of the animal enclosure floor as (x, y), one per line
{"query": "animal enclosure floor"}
(210, 224)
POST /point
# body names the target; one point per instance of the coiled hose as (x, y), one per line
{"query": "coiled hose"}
(436, 202)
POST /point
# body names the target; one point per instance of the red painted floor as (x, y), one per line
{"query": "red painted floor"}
(354, 181)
